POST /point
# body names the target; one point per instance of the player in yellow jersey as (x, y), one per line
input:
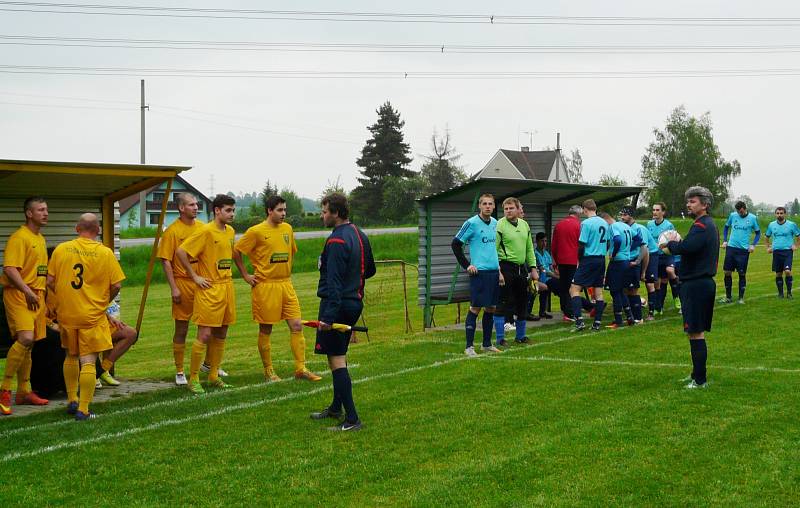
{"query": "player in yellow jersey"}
(85, 276)
(214, 299)
(271, 248)
(182, 286)
(25, 272)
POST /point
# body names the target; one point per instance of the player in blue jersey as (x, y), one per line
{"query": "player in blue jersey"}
(666, 262)
(740, 225)
(781, 235)
(639, 260)
(483, 267)
(617, 274)
(593, 244)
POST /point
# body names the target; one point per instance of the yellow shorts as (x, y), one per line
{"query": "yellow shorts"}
(20, 317)
(84, 341)
(215, 306)
(183, 311)
(274, 301)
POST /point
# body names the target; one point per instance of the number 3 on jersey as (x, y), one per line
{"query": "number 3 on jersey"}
(78, 283)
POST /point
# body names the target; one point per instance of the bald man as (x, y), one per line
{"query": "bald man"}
(85, 276)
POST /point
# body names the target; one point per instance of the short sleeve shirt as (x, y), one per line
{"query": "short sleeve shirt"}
(656, 229)
(213, 250)
(482, 241)
(626, 237)
(741, 228)
(174, 236)
(27, 251)
(782, 234)
(270, 248)
(596, 236)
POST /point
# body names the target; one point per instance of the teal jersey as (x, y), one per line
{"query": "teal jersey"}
(656, 229)
(625, 234)
(645, 239)
(595, 236)
(741, 228)
(782, 234)
(544, 261)
(481, 238)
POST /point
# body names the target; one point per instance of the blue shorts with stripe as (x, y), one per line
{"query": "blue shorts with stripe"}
(484, 288)
(782, 260)
(591, 272)
(651, 274)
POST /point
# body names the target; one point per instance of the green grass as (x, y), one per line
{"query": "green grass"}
(134, 260)
(138, 232)
(589, 419)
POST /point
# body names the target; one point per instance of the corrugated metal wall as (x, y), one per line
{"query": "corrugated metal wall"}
(447, 218)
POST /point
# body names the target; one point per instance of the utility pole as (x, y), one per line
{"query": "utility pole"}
(143, 217)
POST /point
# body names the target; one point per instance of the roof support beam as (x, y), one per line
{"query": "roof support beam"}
(524, 192)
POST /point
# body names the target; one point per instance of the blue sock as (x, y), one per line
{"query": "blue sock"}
(728, 286)
(789, 279)
(699, 357)
(576, 307)
(521, 325)
(742, 285)
(636, 307)
(499, 327)
(469, 325)
(779, 283)
(599, 307)
(488, 324)
(651, 301)
(341, 380)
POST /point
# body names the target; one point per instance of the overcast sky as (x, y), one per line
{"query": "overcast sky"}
(304, 132)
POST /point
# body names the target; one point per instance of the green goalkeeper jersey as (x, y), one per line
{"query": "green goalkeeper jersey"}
(514, 242)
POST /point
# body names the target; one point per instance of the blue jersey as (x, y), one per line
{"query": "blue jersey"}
(595, 236)
(656, 229)
(481, 238)
(647, 239)
(782, 234)
(742, 227)
(625, 234)
(545, 263)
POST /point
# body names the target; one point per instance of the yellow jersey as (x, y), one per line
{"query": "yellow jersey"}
(270, 248)
(173, 237)
(213, 250)
(84, 270)
(27, 251)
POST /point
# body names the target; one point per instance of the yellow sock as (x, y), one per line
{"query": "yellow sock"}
(24, 374)
(106, 364)
(88, 378)
(15, 357)
(178, 351)
(215, 355)
(72, 372)
(264, 349)
(298, 343)
(198, 353)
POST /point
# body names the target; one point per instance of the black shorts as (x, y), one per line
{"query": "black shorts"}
(514, 294)
(651, 274)
(664, 261)
(782, 260)
(632, 276)
(697, 296)
(554, 285)
(590, 272)
(332, 342)
(616, 275)
(484, 288)
(736, 259)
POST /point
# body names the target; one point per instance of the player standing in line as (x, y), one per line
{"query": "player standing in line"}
(517, 263)
(25, 276)
(594, 240)
(781, 235)
(181, 285)
(639, 260)
(737, 251)
(214, 299)
(700, 254)
(85, 276)
(480, 233)
(666, 263)
(622, 239)
(271, 249)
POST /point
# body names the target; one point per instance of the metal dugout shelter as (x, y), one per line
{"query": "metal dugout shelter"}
(73, 188)
(441, 280)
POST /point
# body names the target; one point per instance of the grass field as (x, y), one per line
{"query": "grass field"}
(573, 419)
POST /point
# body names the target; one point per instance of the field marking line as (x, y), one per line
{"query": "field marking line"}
(210, 414)
(153, 405)
(622, 363)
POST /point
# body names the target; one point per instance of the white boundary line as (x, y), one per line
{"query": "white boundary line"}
(210, 414)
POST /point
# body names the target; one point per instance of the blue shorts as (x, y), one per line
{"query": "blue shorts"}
(616, 275)
(664, 261)
(632, 276)
(332, 342)
(484, 288)
(782, 260)
(736, 259)
(590, 272)
(678, 269)
(651, 274)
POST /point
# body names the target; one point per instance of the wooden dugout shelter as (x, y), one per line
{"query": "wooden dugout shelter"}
(441, 280)
(73, 188)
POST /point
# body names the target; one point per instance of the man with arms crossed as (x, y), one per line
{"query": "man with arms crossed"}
(25, 276)
(781, 234)
(214, 300)
(271, 249)
(593, 244)
(480, 232)
(85, 276)
(699, 253)
(738, 249)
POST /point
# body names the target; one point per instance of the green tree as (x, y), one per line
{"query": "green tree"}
(294, 205)
(441, 171)
(384, 155)
(795, 209)
(269, 190)
(133, 216)
(682, 155)
(399, 194)
(574, 166)
(333, 186)
(616, 181)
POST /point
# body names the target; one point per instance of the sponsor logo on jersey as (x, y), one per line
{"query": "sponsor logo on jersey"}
(41, 271)
(279, 257)
(224, 264)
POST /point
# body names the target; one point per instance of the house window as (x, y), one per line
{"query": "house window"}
(200, 205)
(154, 219)
(158, 197)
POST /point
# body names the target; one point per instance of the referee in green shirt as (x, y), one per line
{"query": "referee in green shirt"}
(517, 261)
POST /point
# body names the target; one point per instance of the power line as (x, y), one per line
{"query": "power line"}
(29, 40)
(389, 17)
